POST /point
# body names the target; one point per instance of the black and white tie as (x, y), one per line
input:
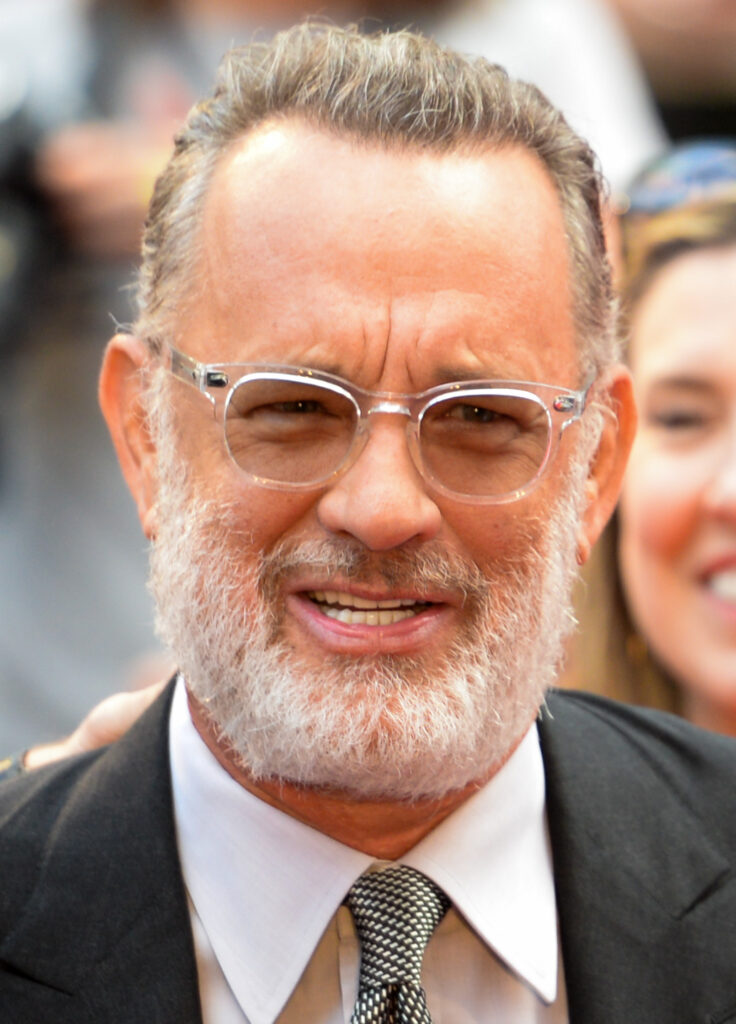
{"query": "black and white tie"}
(395, 912)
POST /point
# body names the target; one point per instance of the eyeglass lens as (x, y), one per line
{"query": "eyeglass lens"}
(301, 432)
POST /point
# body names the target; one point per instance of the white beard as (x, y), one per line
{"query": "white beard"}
(384, 726)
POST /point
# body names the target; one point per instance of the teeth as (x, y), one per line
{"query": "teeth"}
(363, 602)
(384, 617)
(361, 611)
(351, 601)
(723, 584)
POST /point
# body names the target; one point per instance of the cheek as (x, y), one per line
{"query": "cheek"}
(261, 514)
(656, 523)
(658, 510)
(268, 516)
(479, 537)
(496, 538)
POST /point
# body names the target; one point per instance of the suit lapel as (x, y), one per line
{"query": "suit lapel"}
(646, 899)
(641, 889)
(106, 927)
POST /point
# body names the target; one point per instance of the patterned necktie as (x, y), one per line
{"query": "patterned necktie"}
(395, 912)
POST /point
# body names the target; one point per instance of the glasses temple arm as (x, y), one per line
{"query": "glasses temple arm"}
(183, 367)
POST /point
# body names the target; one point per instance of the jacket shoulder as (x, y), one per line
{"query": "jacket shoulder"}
(640, 809)
(92, 894)
(657, 731)
(594, 744)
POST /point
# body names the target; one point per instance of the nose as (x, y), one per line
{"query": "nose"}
(381, 500)
(720, 493)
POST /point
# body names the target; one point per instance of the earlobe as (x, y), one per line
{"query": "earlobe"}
(121, 399)
(608, 464)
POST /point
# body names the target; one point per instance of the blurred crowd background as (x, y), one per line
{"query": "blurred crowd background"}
(90, 94)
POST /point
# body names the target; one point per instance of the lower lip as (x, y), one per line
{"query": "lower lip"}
(404, 637)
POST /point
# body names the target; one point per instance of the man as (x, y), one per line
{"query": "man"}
(372, 417)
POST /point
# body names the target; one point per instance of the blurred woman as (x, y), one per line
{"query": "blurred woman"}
(658, 605)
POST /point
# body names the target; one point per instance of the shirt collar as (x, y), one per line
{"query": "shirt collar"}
(265, 885)
(492, 857)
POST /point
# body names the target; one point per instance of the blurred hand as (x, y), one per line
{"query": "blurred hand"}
(98, 178)
(104, 724)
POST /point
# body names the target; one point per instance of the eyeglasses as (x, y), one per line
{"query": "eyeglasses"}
(296, 429)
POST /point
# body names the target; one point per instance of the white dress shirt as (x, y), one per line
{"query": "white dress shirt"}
(273, 942)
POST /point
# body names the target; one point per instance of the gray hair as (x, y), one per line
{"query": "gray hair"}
(388, 89)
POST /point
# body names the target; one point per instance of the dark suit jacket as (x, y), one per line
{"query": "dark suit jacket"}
(94, 926)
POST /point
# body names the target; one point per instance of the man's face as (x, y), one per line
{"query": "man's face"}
(398, 271)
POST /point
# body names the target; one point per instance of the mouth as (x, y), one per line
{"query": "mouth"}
(360, 611)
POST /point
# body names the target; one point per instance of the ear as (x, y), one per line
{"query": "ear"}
(608, 464)
(121, 399)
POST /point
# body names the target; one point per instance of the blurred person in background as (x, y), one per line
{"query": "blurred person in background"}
(152, 57)
(687, 49)
(658, 610)
(73, 607)
(579, 54)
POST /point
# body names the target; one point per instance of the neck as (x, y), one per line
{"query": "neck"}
(708, 714)
(384, 829)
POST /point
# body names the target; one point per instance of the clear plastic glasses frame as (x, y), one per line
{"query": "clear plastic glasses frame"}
(553, 409)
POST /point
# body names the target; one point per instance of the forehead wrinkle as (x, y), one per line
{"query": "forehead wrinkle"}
(332, 348)
(387, 339)
(441, 318)
(415, 340)
(477, 357)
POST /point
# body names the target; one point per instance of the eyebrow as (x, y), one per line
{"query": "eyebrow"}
(442, 375)
(682, 383)
(448, 374)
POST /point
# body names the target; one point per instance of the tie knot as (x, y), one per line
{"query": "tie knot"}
(395, 912)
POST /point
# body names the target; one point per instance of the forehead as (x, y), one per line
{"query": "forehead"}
(685, 323)
(382, 264)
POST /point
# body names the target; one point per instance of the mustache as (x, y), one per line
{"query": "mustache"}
(430, 566)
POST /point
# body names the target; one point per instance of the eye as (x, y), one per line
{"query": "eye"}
(300, 405)
(683, 411)
(680, 419)
(490, 413)
(285, 400)
(470, 413)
